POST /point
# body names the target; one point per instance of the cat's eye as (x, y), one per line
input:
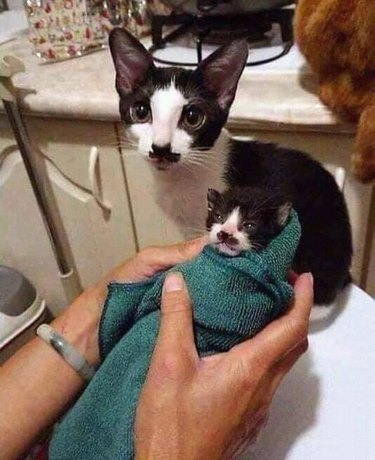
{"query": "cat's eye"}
(192, 117)
(218, 217)
(248, 225)
(140, 112)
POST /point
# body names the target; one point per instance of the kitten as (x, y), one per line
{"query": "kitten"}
(177, 117)
(244, 218)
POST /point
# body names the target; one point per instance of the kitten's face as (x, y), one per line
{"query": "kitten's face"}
(244, 218)
(173, 114)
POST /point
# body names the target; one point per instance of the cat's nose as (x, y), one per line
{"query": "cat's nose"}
(160, 151)
(163, 152)
(225, 237)
(222, 236)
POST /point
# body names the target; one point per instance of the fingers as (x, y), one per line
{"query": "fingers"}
(285, 333)
(163, 257)
(292, 277)
(286, 363)
(175, 344)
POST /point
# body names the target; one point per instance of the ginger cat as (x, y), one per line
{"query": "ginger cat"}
(337, 38)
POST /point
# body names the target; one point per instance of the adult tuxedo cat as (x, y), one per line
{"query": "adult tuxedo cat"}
(177, 118)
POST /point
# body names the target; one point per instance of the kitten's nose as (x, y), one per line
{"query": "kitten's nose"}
(222, 236)
(225, 237)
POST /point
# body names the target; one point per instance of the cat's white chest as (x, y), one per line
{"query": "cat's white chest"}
(182, 194)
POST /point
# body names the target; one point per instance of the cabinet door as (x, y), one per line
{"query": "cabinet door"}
(24, 244)
(333, 150)
(98, 239)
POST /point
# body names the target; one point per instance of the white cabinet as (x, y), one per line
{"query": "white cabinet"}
(83, 184)
(24, 244)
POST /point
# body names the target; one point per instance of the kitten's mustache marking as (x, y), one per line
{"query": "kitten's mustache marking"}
(244, 218)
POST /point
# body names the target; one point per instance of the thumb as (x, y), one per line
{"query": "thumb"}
(176, 321)
(181, 252)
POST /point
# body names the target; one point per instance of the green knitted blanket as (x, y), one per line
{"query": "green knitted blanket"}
(233, 299)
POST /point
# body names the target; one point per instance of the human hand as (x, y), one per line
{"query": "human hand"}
(213, 407)
(151, 260)
(79, 323)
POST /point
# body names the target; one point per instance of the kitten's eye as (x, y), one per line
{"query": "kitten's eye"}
(140, 112)
(248, 225)
(193, 117)
(218, 217)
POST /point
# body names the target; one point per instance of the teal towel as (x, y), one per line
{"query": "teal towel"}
(233, 298)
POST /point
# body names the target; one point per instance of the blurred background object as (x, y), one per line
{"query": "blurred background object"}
(62, 29)
(21, 311)
(346, 69)
(3, 6)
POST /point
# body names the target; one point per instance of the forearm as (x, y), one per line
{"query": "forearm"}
(37, 385)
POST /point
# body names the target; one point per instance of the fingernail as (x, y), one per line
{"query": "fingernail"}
(173, 282)
(311, 278)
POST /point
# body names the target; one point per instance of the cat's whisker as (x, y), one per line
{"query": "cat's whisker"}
(198, 166)
(128, 153)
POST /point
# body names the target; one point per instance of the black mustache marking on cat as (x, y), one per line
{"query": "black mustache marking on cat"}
(209, 90)
(325, 248)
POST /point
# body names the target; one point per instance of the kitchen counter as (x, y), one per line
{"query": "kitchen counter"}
(277, 94)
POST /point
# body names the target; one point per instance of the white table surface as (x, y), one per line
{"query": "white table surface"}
(325, 407)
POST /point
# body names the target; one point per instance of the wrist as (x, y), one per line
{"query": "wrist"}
(79, 324)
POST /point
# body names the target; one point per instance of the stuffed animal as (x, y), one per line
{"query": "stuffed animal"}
(337, 38)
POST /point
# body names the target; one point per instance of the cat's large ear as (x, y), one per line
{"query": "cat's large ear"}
(222, 69)
(283, 213)
(213, 196)
(132, 60)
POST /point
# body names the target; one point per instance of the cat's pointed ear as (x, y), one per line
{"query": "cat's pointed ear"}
(213, 196)
(283, 213)
(222, 69)
(132, 60)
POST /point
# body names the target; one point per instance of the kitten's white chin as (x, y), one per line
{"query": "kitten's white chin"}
(228, 251)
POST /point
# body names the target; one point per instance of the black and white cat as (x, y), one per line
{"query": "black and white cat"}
(177, 117)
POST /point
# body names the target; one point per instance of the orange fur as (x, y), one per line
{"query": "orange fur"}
(337, 38)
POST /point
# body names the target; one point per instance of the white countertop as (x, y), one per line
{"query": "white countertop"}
(276, 94)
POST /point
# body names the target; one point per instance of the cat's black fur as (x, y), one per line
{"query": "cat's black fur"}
(326, 247)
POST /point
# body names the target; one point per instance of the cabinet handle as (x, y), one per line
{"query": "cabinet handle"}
(93, 178)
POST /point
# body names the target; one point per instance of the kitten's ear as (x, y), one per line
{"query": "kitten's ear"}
(213, 196)
(222, 69)
(132, 60)
(283, 213)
